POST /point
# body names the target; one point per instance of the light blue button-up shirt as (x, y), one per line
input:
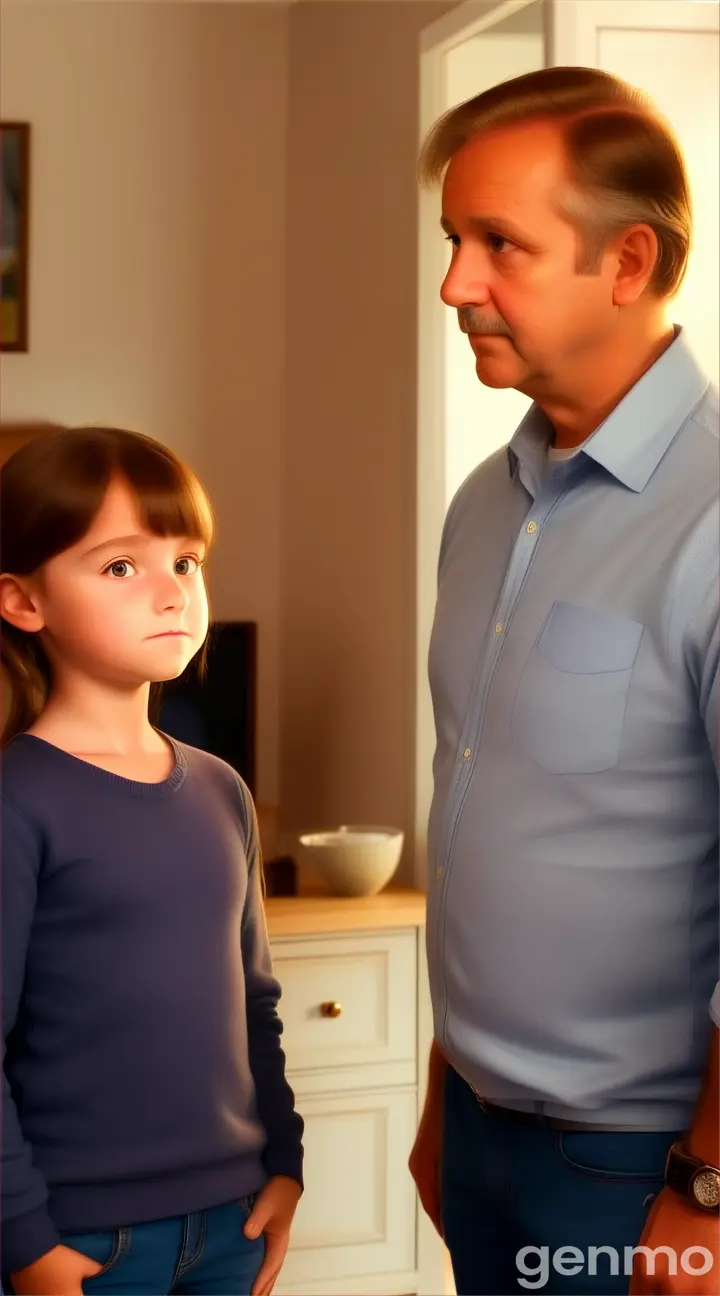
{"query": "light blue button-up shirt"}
(573, 838)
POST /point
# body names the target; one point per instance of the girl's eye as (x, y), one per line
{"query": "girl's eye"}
(119, 569)
(452, 238)
(187, 565)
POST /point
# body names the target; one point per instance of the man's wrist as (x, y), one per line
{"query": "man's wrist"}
(703, 1137)
(693, 1178)
(438, 1064)
(703, 1149)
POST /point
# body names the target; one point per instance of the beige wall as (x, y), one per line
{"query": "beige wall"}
(350, 467)
(158, 258)
(187, 228)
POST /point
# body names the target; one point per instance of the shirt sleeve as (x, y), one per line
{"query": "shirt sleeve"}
(275, 1099)
(712, 720)
(705, 650)
(703, 656)
(27, 1229)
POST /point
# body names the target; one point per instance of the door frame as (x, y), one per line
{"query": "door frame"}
(436, 40)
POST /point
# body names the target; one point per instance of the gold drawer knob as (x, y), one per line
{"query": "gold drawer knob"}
(330, 1009)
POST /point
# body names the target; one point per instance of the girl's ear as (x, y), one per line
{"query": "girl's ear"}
(17, 606)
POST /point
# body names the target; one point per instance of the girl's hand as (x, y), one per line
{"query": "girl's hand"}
(272, 1216)
(59, 1272)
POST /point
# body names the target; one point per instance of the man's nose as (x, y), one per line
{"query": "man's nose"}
(465, 284)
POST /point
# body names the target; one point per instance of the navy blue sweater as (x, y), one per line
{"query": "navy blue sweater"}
(143, 1072)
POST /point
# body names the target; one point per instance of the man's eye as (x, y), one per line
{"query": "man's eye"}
(498, 242)
(187, 565)
(453, 238)
(119, 569)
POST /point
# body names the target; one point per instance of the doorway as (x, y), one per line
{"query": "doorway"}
(460, 422)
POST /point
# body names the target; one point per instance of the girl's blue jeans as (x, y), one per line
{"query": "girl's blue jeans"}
(203, 1254)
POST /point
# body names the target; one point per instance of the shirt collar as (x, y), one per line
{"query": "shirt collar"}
(635, 436)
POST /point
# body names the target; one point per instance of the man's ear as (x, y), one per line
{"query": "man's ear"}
(17, 605)
(637, 253)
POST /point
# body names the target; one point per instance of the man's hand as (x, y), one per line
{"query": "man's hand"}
(273, 1216)
(59, 1272)
(424, 1161)
(682, 1228)
(424, 1167)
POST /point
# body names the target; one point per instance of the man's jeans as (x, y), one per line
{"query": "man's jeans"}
(203, 1254)
(507, 1185)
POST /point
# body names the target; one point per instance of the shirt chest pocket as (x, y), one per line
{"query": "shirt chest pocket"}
(569, 709)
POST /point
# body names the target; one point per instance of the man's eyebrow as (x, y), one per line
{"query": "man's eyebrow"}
(490, 225)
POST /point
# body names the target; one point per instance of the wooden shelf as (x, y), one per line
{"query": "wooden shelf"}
(316, 913)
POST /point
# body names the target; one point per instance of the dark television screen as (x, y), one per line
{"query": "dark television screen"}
(217, 712)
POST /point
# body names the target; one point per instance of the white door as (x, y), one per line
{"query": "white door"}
(670, 48)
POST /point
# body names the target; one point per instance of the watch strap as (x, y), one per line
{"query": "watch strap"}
(680, 1168)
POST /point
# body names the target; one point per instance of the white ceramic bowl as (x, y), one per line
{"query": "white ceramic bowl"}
(355, 859)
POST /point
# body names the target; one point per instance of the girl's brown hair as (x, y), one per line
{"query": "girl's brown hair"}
(625, 164)
(50, 492)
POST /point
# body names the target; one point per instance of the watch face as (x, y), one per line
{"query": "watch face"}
(706, 1189)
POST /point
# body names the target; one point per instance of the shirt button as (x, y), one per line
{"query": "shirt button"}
(438, 874)
(467, 753)
(531, 528)
(499, 628)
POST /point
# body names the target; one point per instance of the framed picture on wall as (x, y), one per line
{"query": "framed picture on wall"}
(14, 223)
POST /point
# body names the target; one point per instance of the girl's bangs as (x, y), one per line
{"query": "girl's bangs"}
(170, 499)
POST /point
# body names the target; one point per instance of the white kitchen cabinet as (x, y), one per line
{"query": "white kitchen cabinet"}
(357, 1216)
(357, 1034)
(371, 979)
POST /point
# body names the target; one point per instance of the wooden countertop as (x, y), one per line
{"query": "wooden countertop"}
(318, 914)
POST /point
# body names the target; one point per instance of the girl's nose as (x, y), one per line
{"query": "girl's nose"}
(172, 594)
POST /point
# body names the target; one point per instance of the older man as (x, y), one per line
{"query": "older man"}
(572, 1108)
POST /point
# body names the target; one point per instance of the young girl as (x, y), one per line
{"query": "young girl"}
(149, 1138)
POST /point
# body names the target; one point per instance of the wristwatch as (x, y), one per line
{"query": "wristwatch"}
(693, 1178)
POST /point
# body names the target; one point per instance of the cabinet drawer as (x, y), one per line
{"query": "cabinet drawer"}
(357, 1215)
(370, 981)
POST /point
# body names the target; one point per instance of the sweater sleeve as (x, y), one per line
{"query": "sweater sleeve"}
(275, 1099)
(27, 1230)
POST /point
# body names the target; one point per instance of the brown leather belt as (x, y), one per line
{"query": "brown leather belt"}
(549, 1122)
